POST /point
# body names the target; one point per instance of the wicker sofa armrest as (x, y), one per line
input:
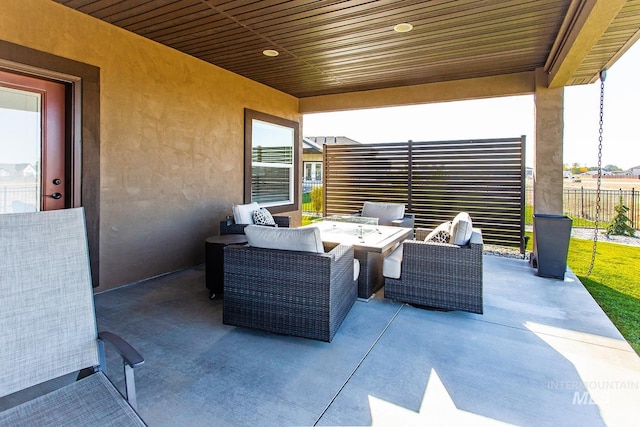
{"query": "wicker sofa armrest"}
(282, 221)
(476, 235)
(422, 233)
(476, 238)
(407, 221)
(340, 251)
(228, 226)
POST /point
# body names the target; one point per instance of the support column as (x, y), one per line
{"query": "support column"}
(547, 156)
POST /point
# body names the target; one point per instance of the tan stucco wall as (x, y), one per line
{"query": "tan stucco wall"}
(171, 141)
(547, 153)
(315, 157)
(486, 87)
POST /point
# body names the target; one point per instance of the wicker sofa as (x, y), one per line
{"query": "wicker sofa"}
(439, 275)
(290, 292)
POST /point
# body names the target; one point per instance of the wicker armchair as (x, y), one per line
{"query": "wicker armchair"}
(439, 275)
(288, 292)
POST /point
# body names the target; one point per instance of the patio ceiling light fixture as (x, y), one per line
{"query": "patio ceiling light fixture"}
(270, 52)
(403, 28)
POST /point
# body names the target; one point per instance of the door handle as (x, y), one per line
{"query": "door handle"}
(55, 196)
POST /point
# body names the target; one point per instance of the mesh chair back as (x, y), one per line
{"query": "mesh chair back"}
(47, 317)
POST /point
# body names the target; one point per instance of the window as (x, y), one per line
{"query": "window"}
(271, 161)
(312, 171)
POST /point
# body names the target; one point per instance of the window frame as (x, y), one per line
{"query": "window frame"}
(249, 117)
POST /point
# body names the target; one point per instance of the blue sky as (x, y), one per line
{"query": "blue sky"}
(510, 117)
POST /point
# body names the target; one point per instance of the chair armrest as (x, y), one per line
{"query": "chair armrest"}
(451, 250)
(340, 251)
(228, 226)
(407, 221)
(129, 354)
(422, 233)
(282, 221)
(476, 237)
(130, 357)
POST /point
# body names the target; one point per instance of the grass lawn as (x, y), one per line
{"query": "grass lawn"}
(613, 283)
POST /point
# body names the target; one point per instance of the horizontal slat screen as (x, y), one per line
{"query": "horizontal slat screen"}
(435, 180)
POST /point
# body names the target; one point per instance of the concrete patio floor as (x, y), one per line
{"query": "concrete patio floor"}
(542, 354)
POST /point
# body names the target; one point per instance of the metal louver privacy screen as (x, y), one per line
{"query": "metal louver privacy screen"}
(435, 180)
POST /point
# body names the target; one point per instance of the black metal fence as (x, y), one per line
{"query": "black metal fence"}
(580, 205)
(435, 180)
(21, 198)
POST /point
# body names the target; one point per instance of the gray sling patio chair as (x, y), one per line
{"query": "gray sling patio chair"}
(48, 326)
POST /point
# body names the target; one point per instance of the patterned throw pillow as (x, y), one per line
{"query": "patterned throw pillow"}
(440, 234)
(263, 217)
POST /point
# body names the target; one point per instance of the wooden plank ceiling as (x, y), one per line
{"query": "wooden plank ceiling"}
(327, 46)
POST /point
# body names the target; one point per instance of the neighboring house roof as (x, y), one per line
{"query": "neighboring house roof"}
(634, 170)
(15, 169)
(310, 146)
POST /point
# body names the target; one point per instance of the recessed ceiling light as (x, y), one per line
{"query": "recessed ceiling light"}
(403, 28)
(270, 52)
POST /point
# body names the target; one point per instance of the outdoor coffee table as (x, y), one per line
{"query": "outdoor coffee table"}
(371, 243)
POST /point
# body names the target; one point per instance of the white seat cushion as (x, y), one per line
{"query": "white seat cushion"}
(392, 264)
(305, 239)
(461, 229)
(243, 214)
(385, 212)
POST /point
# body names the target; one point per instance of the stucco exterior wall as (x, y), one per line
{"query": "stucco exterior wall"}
(486, 87)
(171, 137)
(547, 157)
(315, 157)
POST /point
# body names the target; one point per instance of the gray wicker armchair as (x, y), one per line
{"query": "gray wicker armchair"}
(288, 292)
(439, 275)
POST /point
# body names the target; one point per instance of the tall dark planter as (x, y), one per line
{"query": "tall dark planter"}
(552, 234)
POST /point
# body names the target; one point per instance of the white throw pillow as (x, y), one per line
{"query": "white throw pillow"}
(243, 214)
(263, 217)
(306, 239)
(461, 229)
(441, 234)
(385, 212)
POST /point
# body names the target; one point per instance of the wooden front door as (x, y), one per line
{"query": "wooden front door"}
(33, 149)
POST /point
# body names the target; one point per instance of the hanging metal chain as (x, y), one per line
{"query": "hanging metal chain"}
(603, 75)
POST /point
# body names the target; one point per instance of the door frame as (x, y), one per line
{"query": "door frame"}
(83, 123)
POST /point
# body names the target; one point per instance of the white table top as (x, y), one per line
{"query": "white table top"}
(370, 238)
